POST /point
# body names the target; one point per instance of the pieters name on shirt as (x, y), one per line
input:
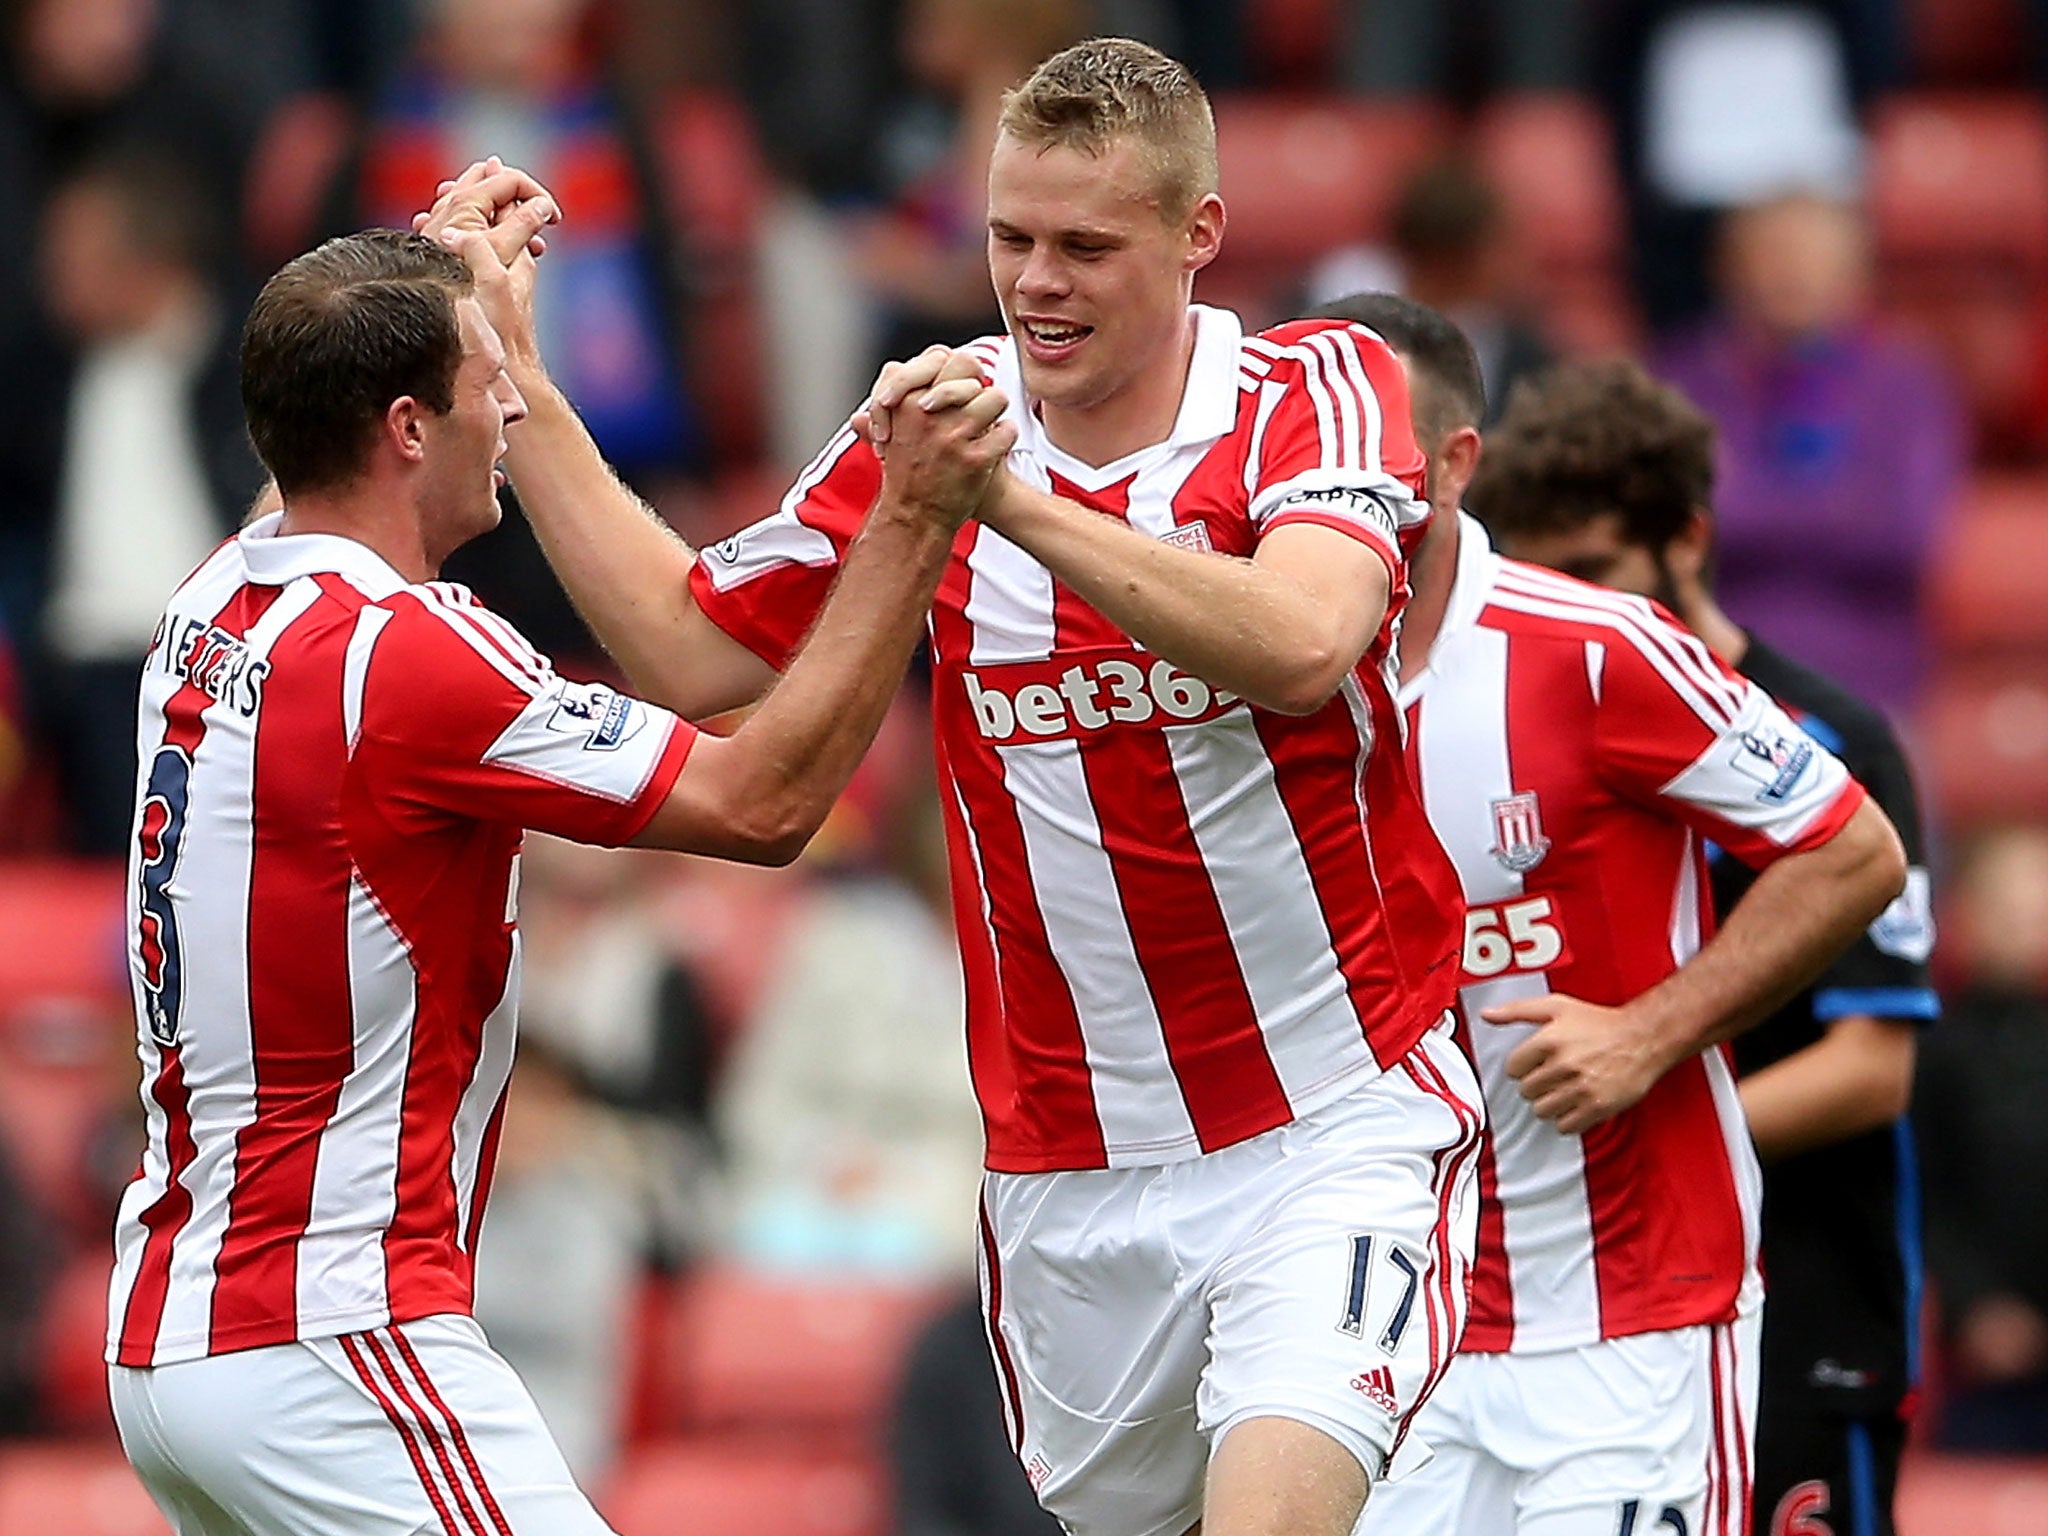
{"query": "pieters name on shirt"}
(217, 663)
(1064, 697)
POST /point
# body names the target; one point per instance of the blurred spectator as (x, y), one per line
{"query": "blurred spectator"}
(559, 1261)
(521, 79)
(1721, 104)
(1450, 249)
(1427, 47)
(853, 1136)
(154, 467)
(605, 992)
(1841, 447)
(954, 1471)
(924, 260)
(1983, 1082)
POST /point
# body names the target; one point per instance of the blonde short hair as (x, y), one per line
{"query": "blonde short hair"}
(1108, 88)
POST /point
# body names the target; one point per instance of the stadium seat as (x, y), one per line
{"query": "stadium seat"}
(1988, 589)
(1966, 42)
(1972, 1496)
(1292, 41)
(1984, 737)
(1961, 178)
(1551, 157)
(707, 1489)
(73, 1490)
(809, 1357)
(1303, 178)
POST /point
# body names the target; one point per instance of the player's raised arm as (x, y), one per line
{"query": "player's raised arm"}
(625, 570)
(761, 794)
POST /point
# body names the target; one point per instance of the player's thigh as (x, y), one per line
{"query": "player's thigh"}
(1462, 1489)
(1822, 1472)
(1648, 1435)
(387, 1432)
(1340, 1302)
(1098, 1346)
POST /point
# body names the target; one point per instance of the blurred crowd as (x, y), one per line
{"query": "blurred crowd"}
(1826, 221)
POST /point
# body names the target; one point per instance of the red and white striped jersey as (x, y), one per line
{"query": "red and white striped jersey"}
(335, 771)
(1183, 920)
(1576, 749)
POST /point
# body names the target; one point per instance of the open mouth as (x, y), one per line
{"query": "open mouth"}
(1049, 340)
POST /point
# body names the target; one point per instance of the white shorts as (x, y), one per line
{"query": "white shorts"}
(417, 1428)
(1649, 1435)
(1314, 1273)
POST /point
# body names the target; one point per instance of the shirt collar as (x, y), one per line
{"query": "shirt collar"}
(1471, 585)
(1208, 403)
(273, 559)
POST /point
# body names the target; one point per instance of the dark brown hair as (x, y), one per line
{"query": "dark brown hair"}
(1583, 439)
(1090, 95)
(335, 337)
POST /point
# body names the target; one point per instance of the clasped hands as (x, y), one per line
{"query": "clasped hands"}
(935, 423)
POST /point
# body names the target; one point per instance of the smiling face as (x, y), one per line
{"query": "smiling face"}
(1093, 277)
(459, 496)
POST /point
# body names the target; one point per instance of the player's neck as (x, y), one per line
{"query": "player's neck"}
(1134, 418)
(1431, 575)
(1703, 616)
(381, 523)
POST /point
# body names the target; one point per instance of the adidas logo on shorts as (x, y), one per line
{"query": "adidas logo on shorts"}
(1378, 1386)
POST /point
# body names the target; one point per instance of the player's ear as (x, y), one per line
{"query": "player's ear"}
(1204, 231)
(405, 428)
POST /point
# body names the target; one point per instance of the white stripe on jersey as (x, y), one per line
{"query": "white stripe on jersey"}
(218, 1063)
(1271, 394)
(1267, 896)
(355, 667)
(1009, 602)
(1747, 1171)
(1137, 1096)
(1350, 415)
(462, 619)
(1462, 751)
(480, 1097)
(1352, 366)
(355, 1178)
(1685, 904)
(1715, 707)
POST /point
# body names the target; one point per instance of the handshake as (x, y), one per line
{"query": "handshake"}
(939, 429)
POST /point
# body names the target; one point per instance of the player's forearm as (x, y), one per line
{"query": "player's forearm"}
(626, 572)
(1233, 623)
(780, 774)
(1855, 1078)
(1799, 915)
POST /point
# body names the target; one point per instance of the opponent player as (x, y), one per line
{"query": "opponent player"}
(338, 756)
(1602, 472)
(1208, 936)
(1575, 749)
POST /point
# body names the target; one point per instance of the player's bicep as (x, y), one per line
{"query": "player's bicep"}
(1348, 581)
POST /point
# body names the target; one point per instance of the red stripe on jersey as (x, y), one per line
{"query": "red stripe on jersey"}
(1074, 622)
(1396, 938)
(1034, 1034)
(1491, 1326)
(301, 1026)
(165, 1218)
(407, 1436)
(1182, 941)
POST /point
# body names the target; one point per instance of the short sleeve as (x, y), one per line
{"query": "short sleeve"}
(459, 717)
(765, 584)
(1333, 441)
(1675, 726)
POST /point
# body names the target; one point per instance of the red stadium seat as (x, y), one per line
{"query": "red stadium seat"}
(706, 1489)
(62, 919)
(748, 1352)
(1961, 178)
(1292, 42)
(73, 1490)
(1551, 158)
(1303, 178)
(1988, 589)
(74, 1332)
(1972, 1495)
(1984, 733)
(1967, 42)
